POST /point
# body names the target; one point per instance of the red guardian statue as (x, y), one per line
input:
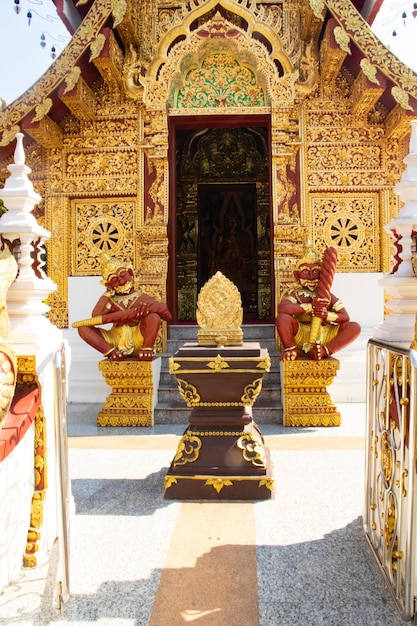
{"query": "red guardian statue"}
(136, 316)
(312, 322)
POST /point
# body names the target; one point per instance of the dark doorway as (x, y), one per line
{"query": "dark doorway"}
(220, 201)
(227, 239)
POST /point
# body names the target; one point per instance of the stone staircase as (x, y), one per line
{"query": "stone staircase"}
(171, 408)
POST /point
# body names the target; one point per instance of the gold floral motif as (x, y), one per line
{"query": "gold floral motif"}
(251, 392)
(350, 222)
(188, 450)
(218, 364)
(127, 139)
(130, 402)
(220, 79)
(386, 456)
(188, 392)
(264, 364)
(305, 398)
(370, 71)
(169, 481)
(97, 46)
(118, 8)
(173, 366)
(42, 110)
(22, 106)
(402, 98)
(342, 39)
(218, 483)
(72, 79)
(354, 24)
(267, 482)
(318, 8)
(253, 450)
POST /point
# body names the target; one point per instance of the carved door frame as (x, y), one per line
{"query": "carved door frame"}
(195, 122)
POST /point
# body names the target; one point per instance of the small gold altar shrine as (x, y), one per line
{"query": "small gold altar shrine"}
(221, 455)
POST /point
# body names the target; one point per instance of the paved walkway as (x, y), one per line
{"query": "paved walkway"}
(139, 560)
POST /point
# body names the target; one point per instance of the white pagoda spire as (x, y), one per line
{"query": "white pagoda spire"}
(30, 330)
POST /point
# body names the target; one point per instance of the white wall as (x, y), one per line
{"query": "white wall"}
(364, 301)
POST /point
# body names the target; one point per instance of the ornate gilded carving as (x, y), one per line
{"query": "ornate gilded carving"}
(220, 79)
(375, 51)
(42, 110)
(188, 450)
(318, 8)
(348, 221)
(118, 8)
(187, 391)
(101, 226)
(81, 101)
(72, 79)
(110, 63)
(342, 39)
(130, 402)
(364, 95)
(251, 392)
(218, 483)
(389, 505)
(119, 147)
(218, 364)
(219, 313)
(46, 132)
(97, 46)
(163, 75)
(252, 450)
(305, 398)
(370, 71)
(402, 97)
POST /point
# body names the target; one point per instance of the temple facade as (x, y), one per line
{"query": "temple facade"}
(192, 137)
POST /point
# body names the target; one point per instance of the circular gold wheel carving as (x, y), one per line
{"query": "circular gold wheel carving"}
(344, 231)
(106, 235)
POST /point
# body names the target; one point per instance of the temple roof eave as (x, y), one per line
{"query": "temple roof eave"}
(50, 96)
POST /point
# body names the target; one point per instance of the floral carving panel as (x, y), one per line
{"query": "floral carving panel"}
(101, 226)
(350, 222)
(220, 81)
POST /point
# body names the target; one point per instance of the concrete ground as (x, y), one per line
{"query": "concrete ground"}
(136, 559)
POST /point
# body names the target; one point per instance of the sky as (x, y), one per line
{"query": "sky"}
(23, 60)
(390, 20)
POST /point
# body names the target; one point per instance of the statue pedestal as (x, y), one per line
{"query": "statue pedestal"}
(305, 398)
(221, 455)
(131, 400)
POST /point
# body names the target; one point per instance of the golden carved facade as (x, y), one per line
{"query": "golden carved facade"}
(106, 171)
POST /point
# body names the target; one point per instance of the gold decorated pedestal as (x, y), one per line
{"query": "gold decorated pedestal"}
(131, 401)
(305, 397)
(221, 455)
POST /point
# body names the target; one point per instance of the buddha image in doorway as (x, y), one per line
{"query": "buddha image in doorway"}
(228, 239)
